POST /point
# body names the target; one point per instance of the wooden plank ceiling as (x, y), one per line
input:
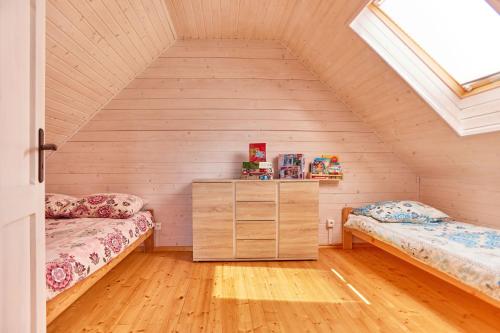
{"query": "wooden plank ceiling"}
(94, 49)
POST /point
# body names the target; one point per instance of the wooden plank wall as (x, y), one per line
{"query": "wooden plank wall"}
(458, 174)
(192, 113)
(94, 49)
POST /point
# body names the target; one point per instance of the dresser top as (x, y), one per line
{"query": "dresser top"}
(227, 180)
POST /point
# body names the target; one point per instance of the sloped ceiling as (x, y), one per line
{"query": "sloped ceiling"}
(317, 32)
(458, 174)
(94, 49)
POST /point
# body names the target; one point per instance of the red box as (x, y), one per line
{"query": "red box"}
(257, 152)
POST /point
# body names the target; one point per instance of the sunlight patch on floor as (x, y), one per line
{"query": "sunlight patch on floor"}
(363, 298)
(281, 284)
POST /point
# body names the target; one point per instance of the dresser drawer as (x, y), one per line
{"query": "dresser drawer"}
(249, 249)
(256, 230)
(256, 191)
(255, 211)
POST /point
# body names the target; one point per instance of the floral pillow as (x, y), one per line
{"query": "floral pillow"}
(107, 205)
(402, 211)
(58, 205)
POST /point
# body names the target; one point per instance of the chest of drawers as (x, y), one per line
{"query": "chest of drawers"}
(255, 220)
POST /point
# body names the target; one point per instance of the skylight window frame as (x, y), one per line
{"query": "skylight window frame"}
(467, 115)
(468, 89)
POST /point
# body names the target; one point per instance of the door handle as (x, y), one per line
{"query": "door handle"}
(42, 147)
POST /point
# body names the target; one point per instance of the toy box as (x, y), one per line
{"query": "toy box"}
(257, 152)
(291, 166)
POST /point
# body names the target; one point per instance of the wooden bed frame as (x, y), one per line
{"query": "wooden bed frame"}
(347, 238)
(62, 301)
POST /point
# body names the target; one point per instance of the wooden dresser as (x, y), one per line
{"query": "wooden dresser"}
(255, 219)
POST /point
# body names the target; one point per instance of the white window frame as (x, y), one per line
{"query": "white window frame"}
(475, 114)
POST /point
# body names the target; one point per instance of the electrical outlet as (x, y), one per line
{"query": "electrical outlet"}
(330, 223)
(158, 226)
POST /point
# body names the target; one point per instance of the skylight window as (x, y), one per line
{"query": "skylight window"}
(458, 40)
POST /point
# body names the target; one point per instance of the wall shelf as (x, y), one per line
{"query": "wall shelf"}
(324, 177)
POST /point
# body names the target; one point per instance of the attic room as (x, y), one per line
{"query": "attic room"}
(250, 166)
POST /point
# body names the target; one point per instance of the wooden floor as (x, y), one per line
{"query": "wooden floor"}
(364, 290)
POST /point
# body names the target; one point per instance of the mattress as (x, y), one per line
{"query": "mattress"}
(75, 248)
(467, 252)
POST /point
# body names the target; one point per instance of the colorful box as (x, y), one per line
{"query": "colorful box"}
(250, 165)
(291, 166)
(257, 152)
(320, 165)
(265, 165)
(326, 167)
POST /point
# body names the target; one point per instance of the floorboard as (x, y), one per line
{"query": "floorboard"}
(364, 290)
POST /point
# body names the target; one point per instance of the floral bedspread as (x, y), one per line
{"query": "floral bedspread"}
(75, 248)
(467, 252)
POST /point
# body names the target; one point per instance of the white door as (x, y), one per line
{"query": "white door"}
(22, 244)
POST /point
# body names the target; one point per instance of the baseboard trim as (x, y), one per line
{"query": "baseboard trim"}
(339, 246)
(173, 249)
(190, 248)
(330, 246)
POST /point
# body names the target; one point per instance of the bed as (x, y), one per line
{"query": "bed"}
(465, 255)
(79, 251)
